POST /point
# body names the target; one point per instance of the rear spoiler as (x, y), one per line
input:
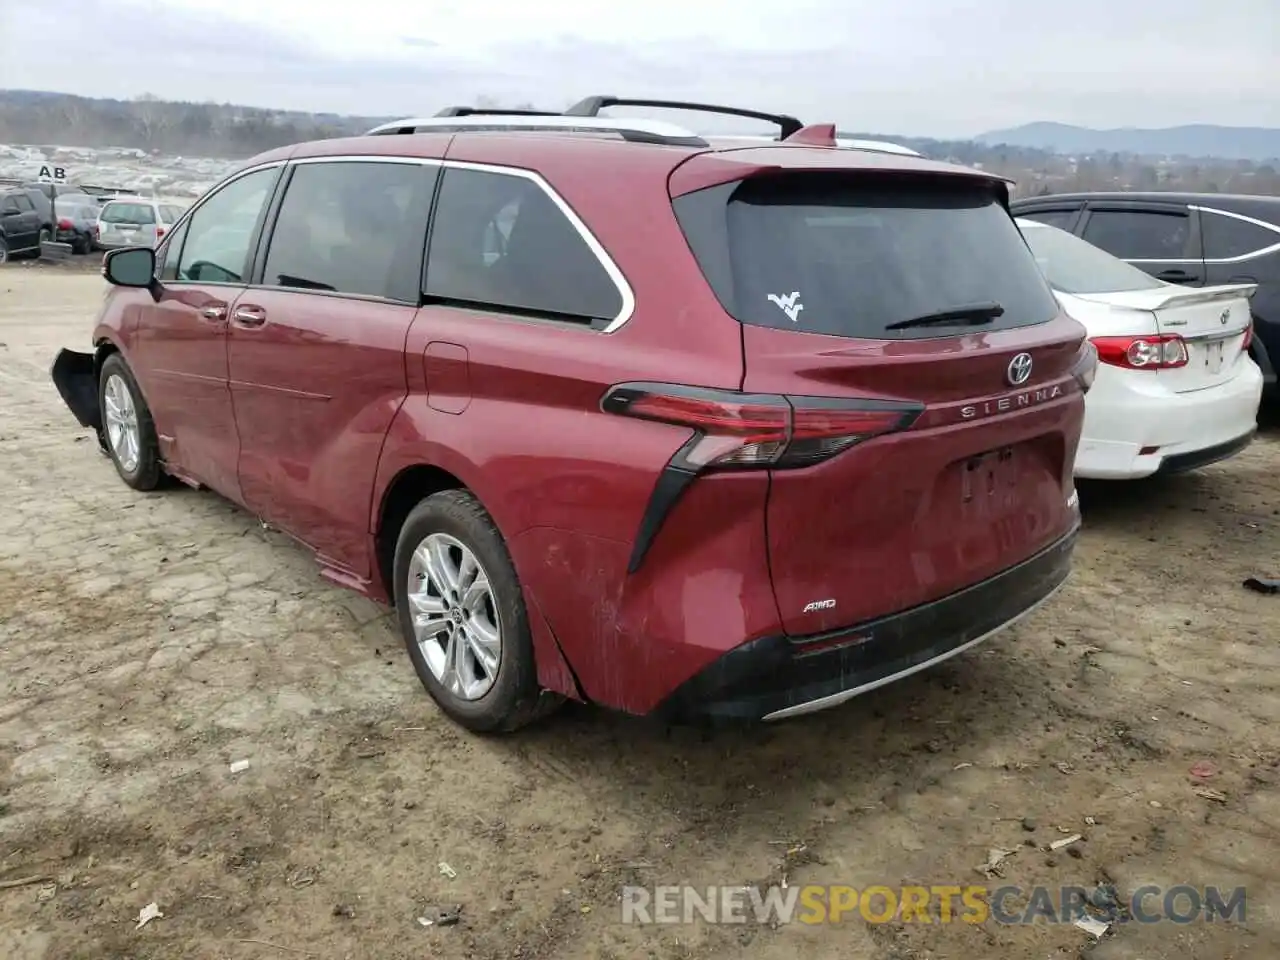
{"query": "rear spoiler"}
(1188, 296)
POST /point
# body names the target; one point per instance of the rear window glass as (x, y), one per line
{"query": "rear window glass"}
(831, 254)
(128, 213)
(1073, 265)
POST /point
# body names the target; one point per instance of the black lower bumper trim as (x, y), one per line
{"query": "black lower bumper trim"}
(76, 377)
(1181, 462)
(784, 674)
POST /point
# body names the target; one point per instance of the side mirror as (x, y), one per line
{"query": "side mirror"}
(130, 267)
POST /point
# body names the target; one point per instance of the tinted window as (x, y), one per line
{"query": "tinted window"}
(354, 228)
(1139, 235)
(23, 204)
(1228, 237)
(220, 232)
(1073, 265)
(138, 213)
(1055, 218)
(10, 205)
(826, 253)
(499, 240)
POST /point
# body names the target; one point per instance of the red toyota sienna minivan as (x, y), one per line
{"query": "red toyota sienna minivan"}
(614, 412)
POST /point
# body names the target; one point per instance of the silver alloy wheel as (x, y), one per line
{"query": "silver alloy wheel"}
(455, 616)
(122, 422)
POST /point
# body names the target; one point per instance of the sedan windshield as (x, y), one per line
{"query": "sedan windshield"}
(1075, 266)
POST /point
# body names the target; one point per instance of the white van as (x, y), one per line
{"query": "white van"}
(134, 222)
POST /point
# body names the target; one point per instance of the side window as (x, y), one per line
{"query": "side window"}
(172, 252)
(1226, 237)
(1062, 219)
(499, 240)
(1139, 235)
(220, 232)
(10, 205)
(24, 204)
(352, 227)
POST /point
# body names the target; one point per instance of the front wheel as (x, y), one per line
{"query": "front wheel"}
(127, 427)
(463, 618)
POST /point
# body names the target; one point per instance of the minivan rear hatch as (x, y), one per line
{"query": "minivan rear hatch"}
(907, 306)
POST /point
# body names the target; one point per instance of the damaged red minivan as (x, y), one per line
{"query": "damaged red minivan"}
(611, 411)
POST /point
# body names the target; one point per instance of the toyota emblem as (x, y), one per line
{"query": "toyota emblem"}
(1019, 371)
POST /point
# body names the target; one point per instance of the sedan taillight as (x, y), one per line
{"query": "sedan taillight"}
(1162, 352)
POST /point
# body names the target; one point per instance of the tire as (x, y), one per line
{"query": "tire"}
(4, 251)
(142, 470)
(502, 699)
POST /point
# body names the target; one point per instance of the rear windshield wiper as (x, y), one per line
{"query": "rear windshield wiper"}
(969, 315)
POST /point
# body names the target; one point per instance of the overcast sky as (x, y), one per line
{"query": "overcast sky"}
(929, 67)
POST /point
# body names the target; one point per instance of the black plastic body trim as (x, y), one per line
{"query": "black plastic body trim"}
(1182, 462)
(75, 375)
(776, 673)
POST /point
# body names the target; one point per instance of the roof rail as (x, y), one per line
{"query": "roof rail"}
(591, 107)
(637, 131)
(493, 112)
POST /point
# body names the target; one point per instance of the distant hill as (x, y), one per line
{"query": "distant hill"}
(151, 124)
(1258, 144)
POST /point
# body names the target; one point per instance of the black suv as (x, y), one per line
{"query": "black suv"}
(1197, 239)
(20, 224)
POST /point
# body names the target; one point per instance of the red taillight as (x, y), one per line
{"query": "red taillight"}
(1248, 337)
(159, 232)
(65, 224)
(740, 430)
(1162, 352)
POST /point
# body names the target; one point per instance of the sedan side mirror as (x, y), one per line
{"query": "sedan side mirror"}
(130, 267)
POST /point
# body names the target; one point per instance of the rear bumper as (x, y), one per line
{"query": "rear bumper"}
(778, 677)
(1126, 413)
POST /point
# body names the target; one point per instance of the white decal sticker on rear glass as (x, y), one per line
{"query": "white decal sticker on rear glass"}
(790, 304)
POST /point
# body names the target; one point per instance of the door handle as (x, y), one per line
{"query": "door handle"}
(248, 316)
(1174, 276)
(214, 312)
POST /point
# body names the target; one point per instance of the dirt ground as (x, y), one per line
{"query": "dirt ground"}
(147, 642)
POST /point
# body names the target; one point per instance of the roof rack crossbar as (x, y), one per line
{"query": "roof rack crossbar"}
(634, 130)
(591, 107)
(493, 112)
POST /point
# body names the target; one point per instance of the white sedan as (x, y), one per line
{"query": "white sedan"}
(1176, 388)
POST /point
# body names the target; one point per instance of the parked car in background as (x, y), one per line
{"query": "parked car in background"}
(20, 224)
(40, 200)
(1192, 239)
(135, 222)
(809, 434)
(77, 223)
(1175, 388)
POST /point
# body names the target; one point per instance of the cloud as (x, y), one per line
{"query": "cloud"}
(907, 66)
